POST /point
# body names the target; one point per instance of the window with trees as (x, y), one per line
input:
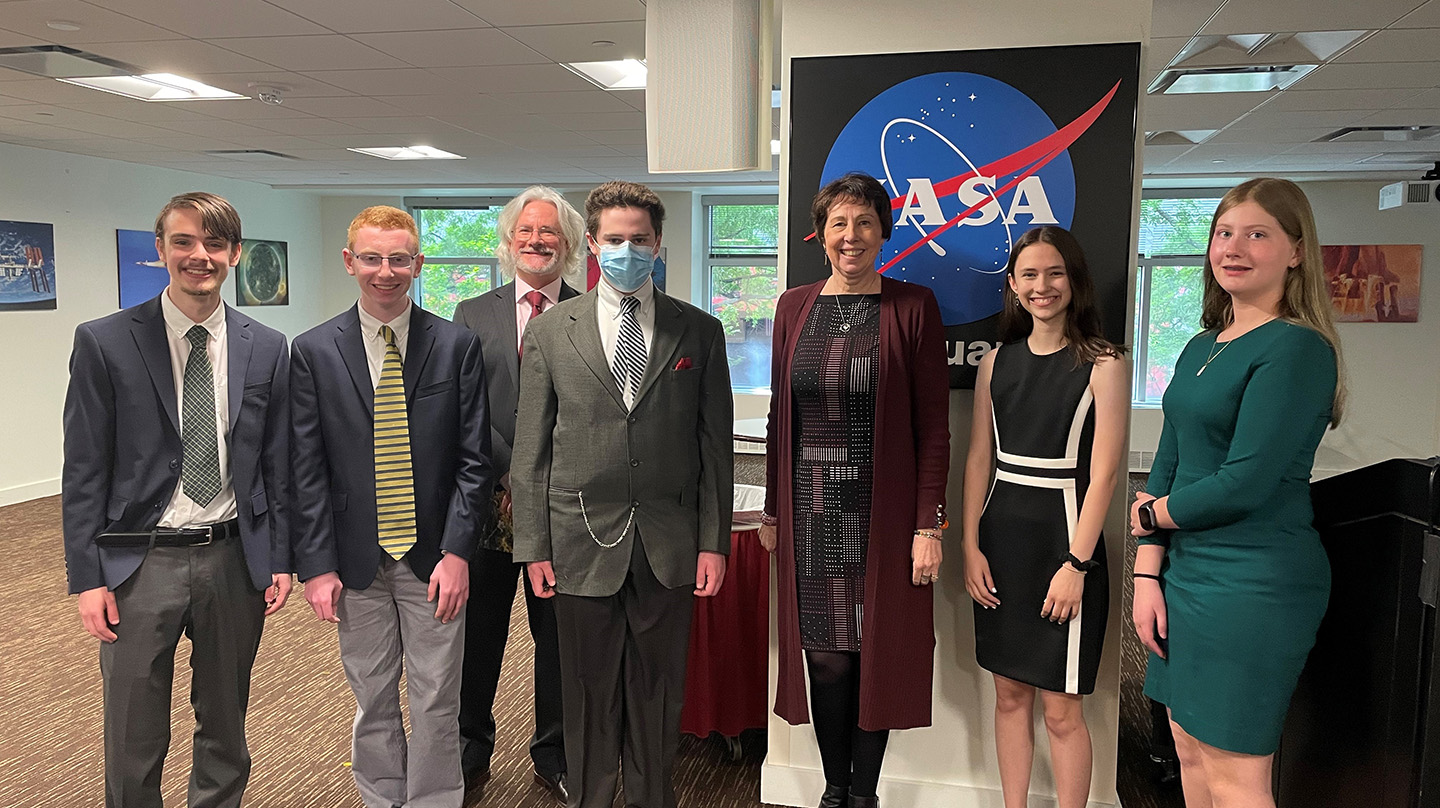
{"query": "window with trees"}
(741, 243)
(1174, 234)
(459, 240)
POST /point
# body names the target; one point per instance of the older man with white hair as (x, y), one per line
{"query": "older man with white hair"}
(541, 244)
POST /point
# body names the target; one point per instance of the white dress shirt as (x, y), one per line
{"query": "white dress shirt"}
(375, 344)
(524, 311)
(608, 313)
(182, 511)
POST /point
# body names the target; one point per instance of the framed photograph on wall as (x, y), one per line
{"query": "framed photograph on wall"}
(27, 266)
(1374, 283)
(262, 278)
(141, 273)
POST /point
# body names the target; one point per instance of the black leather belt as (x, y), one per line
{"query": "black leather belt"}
(172, 537)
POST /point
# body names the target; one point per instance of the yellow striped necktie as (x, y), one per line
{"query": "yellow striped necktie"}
(394, 482)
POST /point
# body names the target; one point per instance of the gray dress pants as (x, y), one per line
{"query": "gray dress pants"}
(206, 594)
(384, 629)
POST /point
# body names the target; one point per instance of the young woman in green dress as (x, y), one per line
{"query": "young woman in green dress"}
(1230, 579)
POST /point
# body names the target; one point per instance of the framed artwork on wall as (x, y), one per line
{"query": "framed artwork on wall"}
(1374, 283)
(141, 273)
(262, 278)
(27, 266)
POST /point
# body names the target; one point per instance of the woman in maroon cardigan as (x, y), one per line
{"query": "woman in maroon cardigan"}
(859, 449)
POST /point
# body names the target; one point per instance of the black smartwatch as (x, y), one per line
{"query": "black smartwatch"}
(1147, 516)
(1080, 566)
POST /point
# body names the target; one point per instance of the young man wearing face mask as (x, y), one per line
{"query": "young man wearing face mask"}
(621, 476)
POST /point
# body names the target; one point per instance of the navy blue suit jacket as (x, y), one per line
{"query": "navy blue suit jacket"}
(332, 442)
(122, 442)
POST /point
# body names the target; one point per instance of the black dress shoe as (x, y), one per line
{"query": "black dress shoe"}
(834, 796)
(555, 784)
(864, 802)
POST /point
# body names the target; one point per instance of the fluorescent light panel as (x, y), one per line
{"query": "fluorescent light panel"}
(409, 153)
(155, 87)
(1236, 80)
(622, 74)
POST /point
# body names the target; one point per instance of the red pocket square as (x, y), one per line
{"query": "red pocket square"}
(684, 363)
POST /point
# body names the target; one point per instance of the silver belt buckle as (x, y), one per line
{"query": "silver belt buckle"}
(209, 536)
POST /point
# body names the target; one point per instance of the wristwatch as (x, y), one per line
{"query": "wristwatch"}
(1147, 515)
(1080, 566)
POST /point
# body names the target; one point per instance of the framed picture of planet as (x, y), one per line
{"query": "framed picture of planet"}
(262, 278)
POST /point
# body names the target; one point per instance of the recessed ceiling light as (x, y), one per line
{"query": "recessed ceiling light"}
(44, 114)
(409, 153)
(1217, 161)
(63, 25)
(603, 43)
(621, 74)
(155, 87)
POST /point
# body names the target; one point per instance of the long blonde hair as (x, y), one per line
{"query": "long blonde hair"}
(1305, 299)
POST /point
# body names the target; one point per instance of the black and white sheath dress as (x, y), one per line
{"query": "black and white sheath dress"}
(1044, 419)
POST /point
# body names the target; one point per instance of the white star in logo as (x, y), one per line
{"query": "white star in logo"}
(972, 96)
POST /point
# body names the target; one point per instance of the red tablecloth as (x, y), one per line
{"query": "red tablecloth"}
(726, 688)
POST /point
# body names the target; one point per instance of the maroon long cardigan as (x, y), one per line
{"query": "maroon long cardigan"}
(912, 460)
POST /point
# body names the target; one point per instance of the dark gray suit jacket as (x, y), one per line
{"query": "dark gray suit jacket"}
(332, 435)
(582, 462)
(122, 442)
(492, 317)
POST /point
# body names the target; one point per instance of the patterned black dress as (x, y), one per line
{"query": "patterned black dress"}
(1044, 427)
(834, 377)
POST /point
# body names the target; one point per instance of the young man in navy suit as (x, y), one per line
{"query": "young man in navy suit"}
(175, 478)
(392, 476)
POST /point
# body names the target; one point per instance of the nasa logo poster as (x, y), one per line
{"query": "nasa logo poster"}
(974, 148)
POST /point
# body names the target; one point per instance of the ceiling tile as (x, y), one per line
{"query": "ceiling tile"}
(1162, 51)
(10, 39)
(1260, 16)
(446, 106)
(564, 103)
(306, 127)
(1395, 45)
(1396, 75)
(1337, 99)
(1402, 117)
(636, 98)
(1180, 18)
(1428, 99)
(1160, 155)
(97, 24)
(250, 109)
(535, 78)
(347, 107)
(397, 81)
(572, 43)
(128, 109)
(217, 19)
(554, 140)
(553, 12)
(598, 121)
(628, 137)
(311, 53)
(1267, 118)
(50, 91)
(228, 130)
(1426, 16)
(1286, 135)
(39, 131)
(185, 57)
(192, 143)
(490, 124)
(463, 48)
(292, 85)
(362, 16)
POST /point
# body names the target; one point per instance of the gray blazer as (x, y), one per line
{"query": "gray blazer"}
(492, 317)
(583, 463)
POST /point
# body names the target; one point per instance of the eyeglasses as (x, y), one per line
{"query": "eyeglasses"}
(544, 234)
(396, 261)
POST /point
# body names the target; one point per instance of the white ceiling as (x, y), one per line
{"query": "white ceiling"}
(480, 78)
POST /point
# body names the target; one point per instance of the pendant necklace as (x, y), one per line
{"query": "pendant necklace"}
(1214, 353)
(846, 317)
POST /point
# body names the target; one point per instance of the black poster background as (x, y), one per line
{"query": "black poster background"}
(1064, 81)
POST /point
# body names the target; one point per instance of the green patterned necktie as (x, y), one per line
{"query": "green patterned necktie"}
(200, 450)
(394, 482)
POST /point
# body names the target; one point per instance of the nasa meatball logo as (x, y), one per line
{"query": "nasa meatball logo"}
(970, 163)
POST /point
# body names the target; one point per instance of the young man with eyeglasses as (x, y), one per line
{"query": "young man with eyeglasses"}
(541, 245)
(392, 478)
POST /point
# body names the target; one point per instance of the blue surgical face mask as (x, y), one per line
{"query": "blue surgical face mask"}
(626, 266)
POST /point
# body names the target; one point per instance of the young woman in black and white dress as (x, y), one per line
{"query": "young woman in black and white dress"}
(1050, 416)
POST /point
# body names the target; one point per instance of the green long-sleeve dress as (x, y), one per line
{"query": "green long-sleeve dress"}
(1245, 578)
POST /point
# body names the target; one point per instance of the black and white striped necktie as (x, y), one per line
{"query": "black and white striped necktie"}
(629, 363)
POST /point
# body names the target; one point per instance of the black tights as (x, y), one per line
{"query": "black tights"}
(851, 756)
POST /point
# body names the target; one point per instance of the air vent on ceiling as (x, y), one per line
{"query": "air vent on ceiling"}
(1380, 134)
(1258, 62)
(1179, 137)
(251, 155)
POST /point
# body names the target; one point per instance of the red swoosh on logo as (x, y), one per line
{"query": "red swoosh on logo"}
(1035, 156)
